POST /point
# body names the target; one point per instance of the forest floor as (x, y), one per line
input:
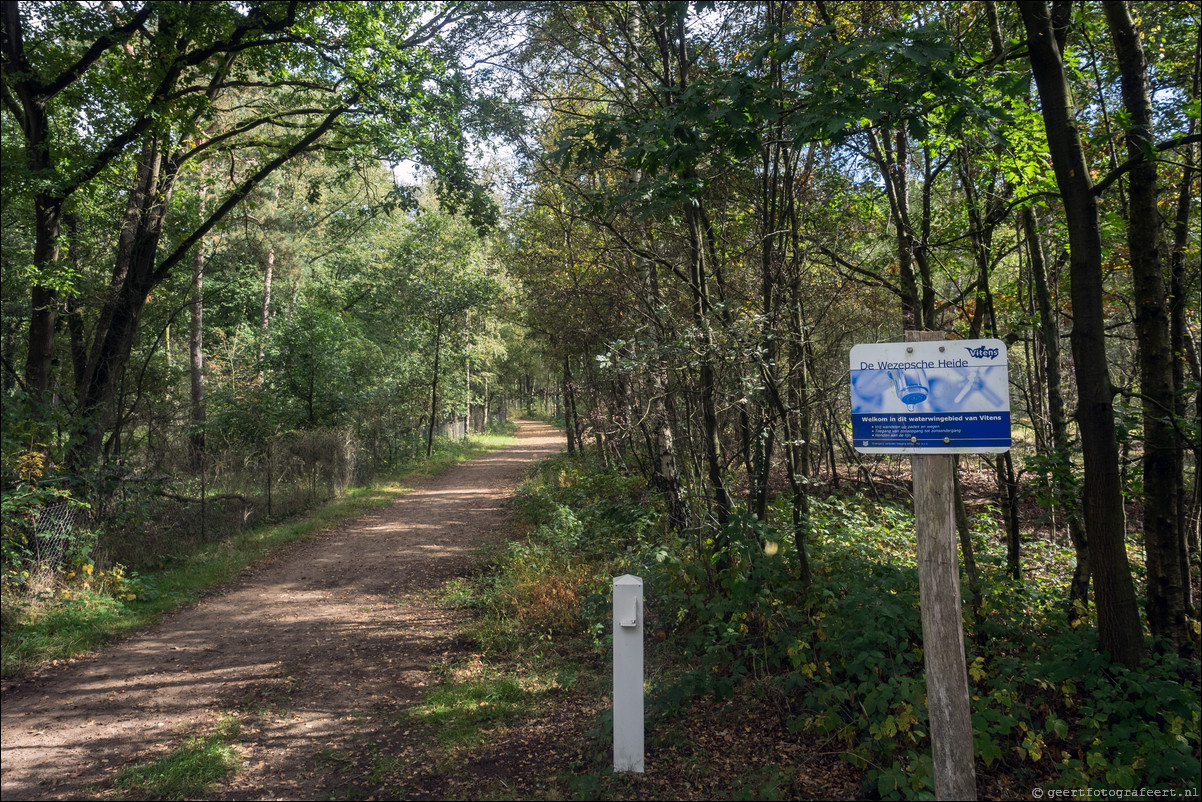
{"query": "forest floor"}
(312, 659)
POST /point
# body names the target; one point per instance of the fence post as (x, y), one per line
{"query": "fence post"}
(628, 673)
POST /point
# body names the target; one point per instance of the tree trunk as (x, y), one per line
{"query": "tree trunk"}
(1062, 466)
(265, 317)
(1189, 516)
(196, 357)
(568, 418)
(1166, 585)
(576, 420)
(434, 389)
(666, 473)
(708, 389)
(1119, 627)
(29, 92)
(1009, 488)
(75, 322)
(892, 159)
(133, 278)
(964, 530)
(43, 309)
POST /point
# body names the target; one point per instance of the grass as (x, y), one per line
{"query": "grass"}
(89, 611)
(462, 711)
(838, 671)
(471, 702)
(188, 770)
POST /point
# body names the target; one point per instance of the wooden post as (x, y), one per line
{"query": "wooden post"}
(948, 702)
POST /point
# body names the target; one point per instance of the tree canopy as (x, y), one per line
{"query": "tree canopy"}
(213, 270)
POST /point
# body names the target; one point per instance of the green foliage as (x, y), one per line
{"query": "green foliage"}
(587, 526)
(848, 654)
(189, 770)
(1055, 479)
(40, 524)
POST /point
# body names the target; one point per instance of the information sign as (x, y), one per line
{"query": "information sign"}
(936, 397)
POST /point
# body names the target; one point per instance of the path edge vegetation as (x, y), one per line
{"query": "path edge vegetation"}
(1048, 710)
(85, 609)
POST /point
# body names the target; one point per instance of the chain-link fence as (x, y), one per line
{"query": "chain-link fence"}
(56, 529)
(154, 516)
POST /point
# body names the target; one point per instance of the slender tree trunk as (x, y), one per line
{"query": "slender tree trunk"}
(1166, 584)
(666, 473)
(569, 421)
(1119, 627)
(1179, 335)
(922, 257)
(708, 388)
(1009, 487)
(575, 397)
(983, 219)
(265, 317)
(674, 48)
(75, 323)
(1063, 487)
(434, 389)
(467, 369)
(966, 551)
(196, 357)
(794, 413)
(893, 160)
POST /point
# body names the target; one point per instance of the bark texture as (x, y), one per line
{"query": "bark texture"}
(1119, 630)
(1166, 584)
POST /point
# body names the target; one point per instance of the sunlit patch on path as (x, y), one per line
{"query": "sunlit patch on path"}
(315, 654)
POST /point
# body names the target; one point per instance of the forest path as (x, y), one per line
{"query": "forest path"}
(317, 653)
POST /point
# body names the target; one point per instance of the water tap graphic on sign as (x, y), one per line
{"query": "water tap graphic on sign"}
(920, 385)
(946, 395)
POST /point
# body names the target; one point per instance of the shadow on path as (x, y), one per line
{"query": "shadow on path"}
(315, 653)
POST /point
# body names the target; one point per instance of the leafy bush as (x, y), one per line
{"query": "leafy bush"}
(848, 654)
(586, 526)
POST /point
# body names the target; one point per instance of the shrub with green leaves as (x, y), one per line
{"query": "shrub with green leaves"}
(848, 653)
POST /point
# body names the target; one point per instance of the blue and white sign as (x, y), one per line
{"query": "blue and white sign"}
(937, 397)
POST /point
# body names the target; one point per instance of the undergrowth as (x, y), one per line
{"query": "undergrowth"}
(845, 656)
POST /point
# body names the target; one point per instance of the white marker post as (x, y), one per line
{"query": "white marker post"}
(628, 673)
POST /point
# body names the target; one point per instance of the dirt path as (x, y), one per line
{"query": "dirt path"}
(317, 653)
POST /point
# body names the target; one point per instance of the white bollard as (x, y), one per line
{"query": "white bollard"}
(628, 673)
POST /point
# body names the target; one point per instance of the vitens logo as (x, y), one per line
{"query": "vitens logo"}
(982, 352)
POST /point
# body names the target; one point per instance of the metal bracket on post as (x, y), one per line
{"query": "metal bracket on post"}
(628, 674)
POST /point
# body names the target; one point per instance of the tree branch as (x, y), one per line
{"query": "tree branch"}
(102, 43)
(873, 278)
(1161, 147)
(249, 184)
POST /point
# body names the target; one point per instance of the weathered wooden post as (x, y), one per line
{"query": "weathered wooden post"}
(628, 673)
(948, 703)
(931, 399)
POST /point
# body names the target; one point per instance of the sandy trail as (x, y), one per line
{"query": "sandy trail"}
(317, 653)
